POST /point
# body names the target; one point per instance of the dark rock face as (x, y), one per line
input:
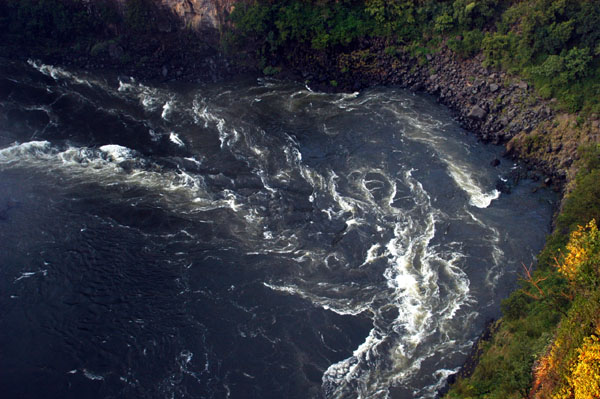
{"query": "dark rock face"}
(480, 98)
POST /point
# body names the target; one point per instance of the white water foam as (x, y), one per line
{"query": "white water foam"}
(461, 173)
(176, 140)
(339, 306)
(103, 166)
(412, 279)
(57, 73)
(24, 275)
(117, 153)
(201, 113)
(462, 177)
(167, 110)
(151, 98)
(92, 375)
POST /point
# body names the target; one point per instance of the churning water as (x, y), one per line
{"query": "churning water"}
(250, 239)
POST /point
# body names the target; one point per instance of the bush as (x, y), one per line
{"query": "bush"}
(499, 49)
(583, 203)
(469, 45)
(443, 23)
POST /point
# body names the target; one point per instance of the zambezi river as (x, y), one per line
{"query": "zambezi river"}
(245, 239)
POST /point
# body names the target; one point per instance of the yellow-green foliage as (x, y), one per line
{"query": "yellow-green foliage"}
(584, 380)
(551, 326)
(580, 249)
(570, 369)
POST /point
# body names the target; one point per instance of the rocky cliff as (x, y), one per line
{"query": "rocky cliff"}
(201, 14)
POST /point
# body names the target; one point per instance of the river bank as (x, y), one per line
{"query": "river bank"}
(486, 103)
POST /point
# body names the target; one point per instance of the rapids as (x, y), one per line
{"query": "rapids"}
(246, 239)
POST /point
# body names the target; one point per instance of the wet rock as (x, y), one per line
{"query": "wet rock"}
(164, 71)
(477, 113)
(495, 162)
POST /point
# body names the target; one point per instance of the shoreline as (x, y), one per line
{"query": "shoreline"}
(482, 101)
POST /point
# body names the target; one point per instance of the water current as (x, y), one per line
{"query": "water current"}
(245, 239)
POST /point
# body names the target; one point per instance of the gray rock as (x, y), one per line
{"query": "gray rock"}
(477, 113)
(494, 87)
(546, 111)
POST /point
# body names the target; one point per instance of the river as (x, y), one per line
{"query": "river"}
(245, 239)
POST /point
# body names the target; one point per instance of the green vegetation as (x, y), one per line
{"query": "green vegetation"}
(554, 44)
(556, 309)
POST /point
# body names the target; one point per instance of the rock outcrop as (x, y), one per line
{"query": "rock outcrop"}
(495, 106)
(201, 14)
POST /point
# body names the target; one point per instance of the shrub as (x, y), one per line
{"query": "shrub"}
(443, 23)
(582, 204)
(584, 381)
(469, 45)
(498, 48)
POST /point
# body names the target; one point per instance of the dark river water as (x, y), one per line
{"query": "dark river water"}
(248, 239)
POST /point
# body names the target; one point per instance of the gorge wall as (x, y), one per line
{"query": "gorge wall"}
(201, 14)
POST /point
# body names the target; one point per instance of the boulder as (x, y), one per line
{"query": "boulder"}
(477, 113)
